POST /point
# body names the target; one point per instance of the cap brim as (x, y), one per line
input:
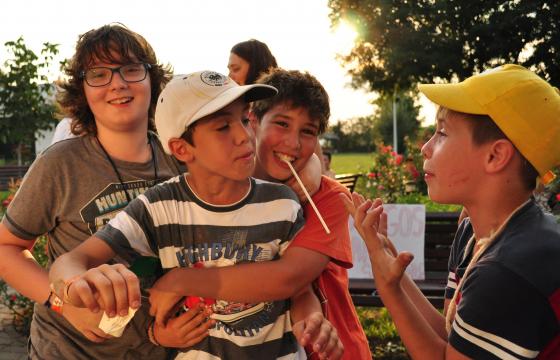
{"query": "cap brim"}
(452, 96)
(249, 92)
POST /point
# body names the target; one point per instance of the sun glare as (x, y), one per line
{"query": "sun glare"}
(344, 36)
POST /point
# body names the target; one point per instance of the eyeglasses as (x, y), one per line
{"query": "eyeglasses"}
(101, 76)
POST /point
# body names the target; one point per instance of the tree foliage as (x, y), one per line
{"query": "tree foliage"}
(26, 96)
(354, 135)
(404, 42)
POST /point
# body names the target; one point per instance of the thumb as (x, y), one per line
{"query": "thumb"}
(403, 260)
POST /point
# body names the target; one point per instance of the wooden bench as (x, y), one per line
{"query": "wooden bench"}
(348, 180)
(11, 172)
(439, 234)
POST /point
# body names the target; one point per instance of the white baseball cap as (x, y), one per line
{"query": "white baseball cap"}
(188, 98)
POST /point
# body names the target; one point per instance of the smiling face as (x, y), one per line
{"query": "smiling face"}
(453, 164)
(238, 68)
(223, 145)
(119, 105)
(287, 132)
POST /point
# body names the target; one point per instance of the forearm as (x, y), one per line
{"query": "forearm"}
(245, 282)
(19, 269)
(251, 282)
(432, 316)
(68, 266)
(417, 334)
(304, 304)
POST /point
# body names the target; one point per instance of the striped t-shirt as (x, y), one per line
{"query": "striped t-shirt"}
(170, 222)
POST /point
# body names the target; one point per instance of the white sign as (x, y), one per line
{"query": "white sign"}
(406, 224)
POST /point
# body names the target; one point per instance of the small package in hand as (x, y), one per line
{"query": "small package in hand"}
(115, 326)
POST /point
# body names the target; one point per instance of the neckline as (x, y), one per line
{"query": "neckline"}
(115, 169)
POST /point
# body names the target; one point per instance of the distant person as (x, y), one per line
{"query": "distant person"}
(62, 130)
(327, 156)
(496, 133)
(248, 60)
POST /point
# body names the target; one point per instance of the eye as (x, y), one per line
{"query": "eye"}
(310, 132)
(223, 127)
(245, 121)
(281, 123)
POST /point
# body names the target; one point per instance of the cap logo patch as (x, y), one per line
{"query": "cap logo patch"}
(213, 78)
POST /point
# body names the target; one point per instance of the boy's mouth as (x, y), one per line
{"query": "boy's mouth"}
(121, 100)
(285, 157)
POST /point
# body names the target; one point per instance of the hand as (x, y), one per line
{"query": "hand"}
(185, 330)
(310, 176)
(85, 322)
(317, 330)
(163, 304)
(387, 265)
(357, 200)
(112, 288)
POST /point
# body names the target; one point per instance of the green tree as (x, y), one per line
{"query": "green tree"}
(407, 119)
(404, 42)
(26, 104)
(354, 135)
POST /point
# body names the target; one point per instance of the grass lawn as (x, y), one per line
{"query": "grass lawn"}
(343, 163)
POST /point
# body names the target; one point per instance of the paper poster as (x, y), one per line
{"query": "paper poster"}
(406, 225)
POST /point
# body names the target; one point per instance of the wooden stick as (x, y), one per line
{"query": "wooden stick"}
(308, 196)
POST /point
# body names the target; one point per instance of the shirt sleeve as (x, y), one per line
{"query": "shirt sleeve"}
(313, 236)
(34, 209)
(130, 234)
(500, 315)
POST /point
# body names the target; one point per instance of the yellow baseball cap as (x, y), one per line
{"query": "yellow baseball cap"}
(523, 105)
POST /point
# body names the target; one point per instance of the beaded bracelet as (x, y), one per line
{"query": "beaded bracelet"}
(151, 334)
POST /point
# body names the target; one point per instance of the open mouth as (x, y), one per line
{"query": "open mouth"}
(285, 157)
(120, 101)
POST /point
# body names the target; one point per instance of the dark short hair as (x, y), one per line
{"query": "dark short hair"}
(112, 43)
(485, 130)
(298, 90)
(259, 57)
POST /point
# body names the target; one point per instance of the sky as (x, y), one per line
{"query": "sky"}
(197, 35)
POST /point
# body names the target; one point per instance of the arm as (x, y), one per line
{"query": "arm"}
(420, 338)
(110, 287)
(411, 290)
(16, 260)
(311, 327)
(270, 280)
(19, 269)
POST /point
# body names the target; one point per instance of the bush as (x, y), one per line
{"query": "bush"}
(393, 175)
(21, 307)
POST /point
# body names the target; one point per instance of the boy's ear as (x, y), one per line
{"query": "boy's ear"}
(499, 156)
(181, 149)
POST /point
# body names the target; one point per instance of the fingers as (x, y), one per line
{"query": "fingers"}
(403, 260)
(116, 287)
(186, 329)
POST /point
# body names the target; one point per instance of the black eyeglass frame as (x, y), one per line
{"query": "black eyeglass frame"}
(147, 67)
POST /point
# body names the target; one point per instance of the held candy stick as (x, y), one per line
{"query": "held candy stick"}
(306, 194)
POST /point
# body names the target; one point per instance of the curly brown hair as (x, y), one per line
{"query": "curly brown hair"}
(112, 43)
(299, 90)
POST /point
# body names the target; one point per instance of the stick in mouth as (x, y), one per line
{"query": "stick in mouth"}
(283, 158)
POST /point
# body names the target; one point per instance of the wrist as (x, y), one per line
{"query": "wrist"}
(152, 333)
(61, 288)
(54, 303)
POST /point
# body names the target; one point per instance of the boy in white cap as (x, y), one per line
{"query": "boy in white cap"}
(497, 132)
(215, 215)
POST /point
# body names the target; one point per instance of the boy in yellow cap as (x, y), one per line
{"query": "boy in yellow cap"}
(497, 132)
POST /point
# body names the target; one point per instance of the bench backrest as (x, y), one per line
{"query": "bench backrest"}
(348, 180)
(439, 234)
(11, 172)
